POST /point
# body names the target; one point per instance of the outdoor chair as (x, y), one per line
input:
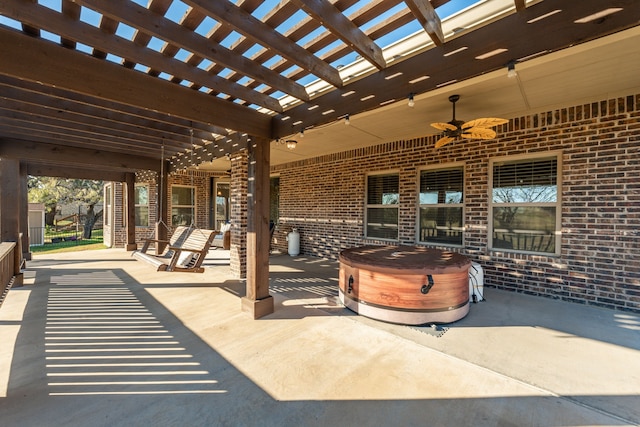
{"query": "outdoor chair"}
(184, 255)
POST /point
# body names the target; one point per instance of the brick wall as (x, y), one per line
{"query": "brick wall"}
(239, 205)
(201, 180)
(599, 143)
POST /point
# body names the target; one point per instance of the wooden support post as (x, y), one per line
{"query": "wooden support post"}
(258, 302)
(10, 210)
(131, 211)
(24, 212)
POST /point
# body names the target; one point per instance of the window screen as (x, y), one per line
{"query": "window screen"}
(524, 198)
(441, 209)
(383, 196)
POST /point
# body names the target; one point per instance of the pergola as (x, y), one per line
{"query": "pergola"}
(102, 89)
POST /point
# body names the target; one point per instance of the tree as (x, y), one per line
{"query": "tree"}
(59, 191)
(47, 191)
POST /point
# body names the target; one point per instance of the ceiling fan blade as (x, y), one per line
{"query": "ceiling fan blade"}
(478, 133)
(486, 122)
(444, 126)
(444, 141)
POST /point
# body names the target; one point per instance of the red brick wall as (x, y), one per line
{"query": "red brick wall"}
(599, 262)
(201, 180)
(239, 205)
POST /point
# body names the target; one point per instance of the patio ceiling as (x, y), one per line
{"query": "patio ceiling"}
(121, 85)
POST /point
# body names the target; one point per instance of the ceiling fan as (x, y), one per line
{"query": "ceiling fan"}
(474, 129)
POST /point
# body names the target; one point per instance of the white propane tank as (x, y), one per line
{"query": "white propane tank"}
(294, 242)
(476, 282)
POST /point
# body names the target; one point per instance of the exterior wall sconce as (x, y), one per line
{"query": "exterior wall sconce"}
(291, 143)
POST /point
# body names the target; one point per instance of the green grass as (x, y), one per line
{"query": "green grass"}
(96, 242)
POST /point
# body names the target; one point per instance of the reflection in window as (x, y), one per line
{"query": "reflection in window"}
(182, 205)
(222, 205)
(141, 202)
(524, 198)
(441, 213)
(383, 196)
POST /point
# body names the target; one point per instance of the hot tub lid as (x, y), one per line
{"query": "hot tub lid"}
(412, 258)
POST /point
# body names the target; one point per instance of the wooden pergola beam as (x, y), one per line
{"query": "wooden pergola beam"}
(69, 172)
(248, 25)
(102, 41)
(88, 128)
(85, 117)
(157, 25)
(60, 155)
(172, 128)
(344, 29)
(71, 10)
(428, 18)
(430, 69)
(21, 57)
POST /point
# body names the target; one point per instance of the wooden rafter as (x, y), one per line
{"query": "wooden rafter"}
(141, 18)
(64, 96)
(343, 28)
(428, 18)
(522, 41)
(142, 39)
(71, 10)
(170, 128)
(109, 81)
(52, 153)
(77, 30)
(245, 23)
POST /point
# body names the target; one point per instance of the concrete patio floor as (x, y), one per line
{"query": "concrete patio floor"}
(99, 339)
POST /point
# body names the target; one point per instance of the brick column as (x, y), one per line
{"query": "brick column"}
(238, 188)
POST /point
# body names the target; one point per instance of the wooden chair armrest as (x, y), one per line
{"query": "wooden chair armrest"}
(147, 242)
(183, 249)
(156, 240)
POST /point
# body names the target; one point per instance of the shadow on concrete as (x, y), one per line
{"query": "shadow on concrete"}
(95, 348)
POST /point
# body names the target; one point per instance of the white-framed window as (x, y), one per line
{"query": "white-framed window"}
(141, 204)
(183, 205)
(441, 209)
(382, 200)
(524, 204)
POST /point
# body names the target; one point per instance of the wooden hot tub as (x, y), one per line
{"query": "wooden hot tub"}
(405, 284)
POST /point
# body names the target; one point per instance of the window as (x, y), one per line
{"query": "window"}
(383, 196)
(441, 209)
(108, 205)
(525, 205)
(183, 207)
(141, 202)
(222, 204)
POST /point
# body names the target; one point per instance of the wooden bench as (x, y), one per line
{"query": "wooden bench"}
(178, 237)
(184, 255)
